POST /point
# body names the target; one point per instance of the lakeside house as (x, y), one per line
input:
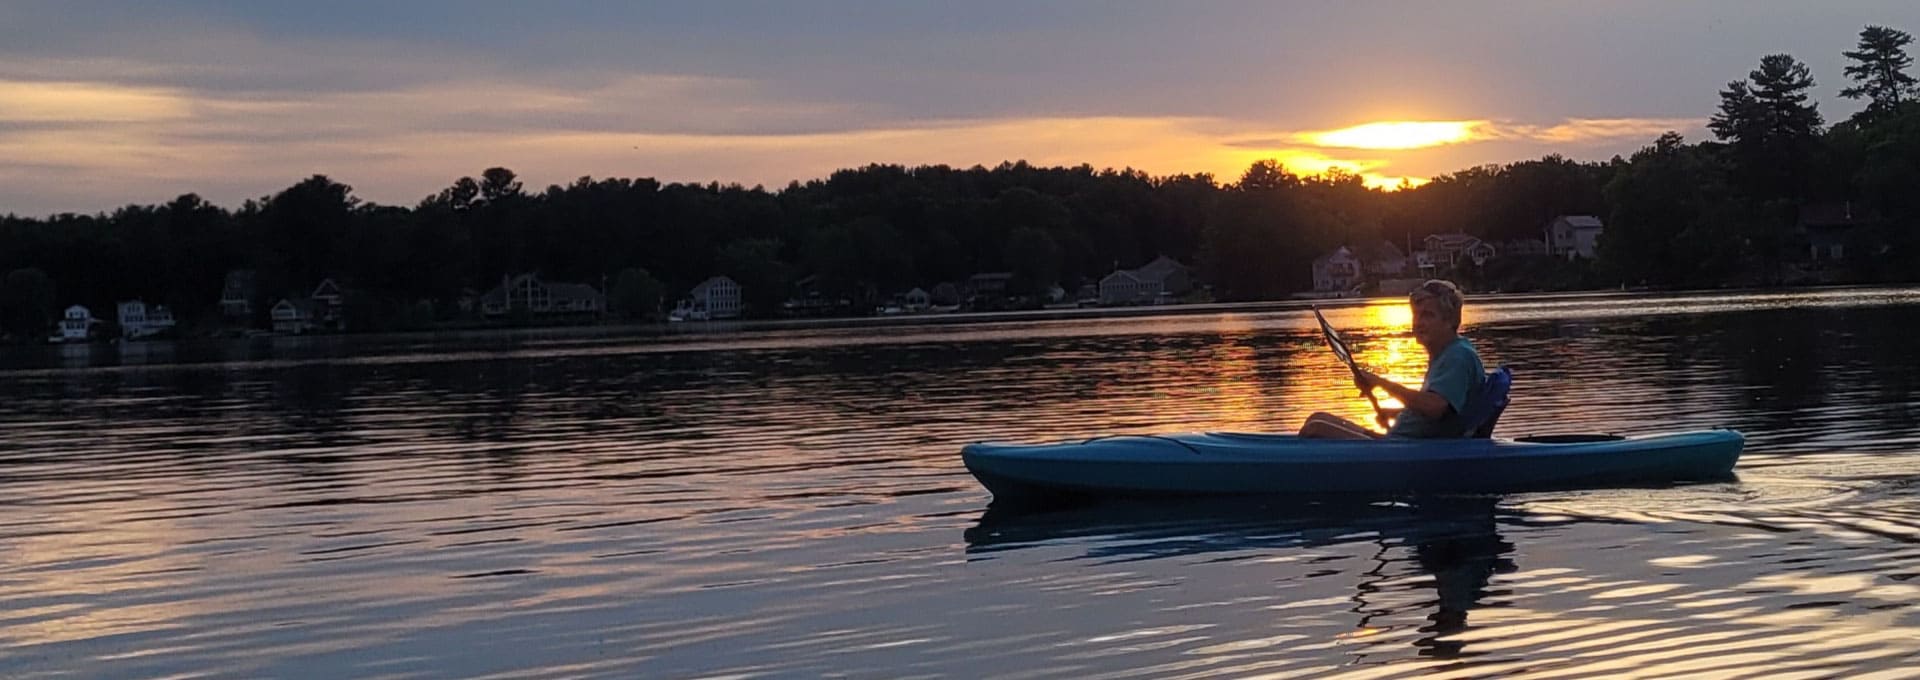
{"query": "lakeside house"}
(917, 300)
(76, 325)
(1830, 227)
(291, 316)
(140, 320)
(329, 306)
(1381, 260)
(988, 284)
(1157, 282)
(1451, 249)
(1337, 272)
(717, 297)
(236, 294)
(1574, 236)
(324, 309)
(527, 294)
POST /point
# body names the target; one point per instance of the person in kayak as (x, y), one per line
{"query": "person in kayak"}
(1454, 371)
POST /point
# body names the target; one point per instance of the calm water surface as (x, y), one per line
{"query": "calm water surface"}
(791, 503)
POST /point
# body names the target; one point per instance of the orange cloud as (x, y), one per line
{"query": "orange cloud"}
(1583, 130)
(1396, 134)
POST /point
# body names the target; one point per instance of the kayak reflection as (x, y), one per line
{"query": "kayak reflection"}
(1452, 545)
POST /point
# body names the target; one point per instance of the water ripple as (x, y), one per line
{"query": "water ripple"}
(789, 502)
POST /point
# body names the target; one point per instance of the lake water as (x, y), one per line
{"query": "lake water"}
(792, 503)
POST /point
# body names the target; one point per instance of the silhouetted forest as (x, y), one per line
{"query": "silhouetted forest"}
(1734, 210)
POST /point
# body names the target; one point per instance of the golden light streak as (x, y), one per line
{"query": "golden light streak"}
(1391, 350)
(71, 102)
(1396, 134)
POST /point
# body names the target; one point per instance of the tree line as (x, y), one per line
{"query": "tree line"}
(1678, 213)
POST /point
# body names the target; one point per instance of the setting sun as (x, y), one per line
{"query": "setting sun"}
(1396, 134)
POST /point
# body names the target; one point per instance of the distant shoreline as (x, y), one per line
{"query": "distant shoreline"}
(694, 328)
(689, 329)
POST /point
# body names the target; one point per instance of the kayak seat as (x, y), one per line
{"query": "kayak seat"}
(1485, 405)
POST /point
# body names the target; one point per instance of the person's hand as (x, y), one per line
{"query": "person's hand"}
(1365, 380)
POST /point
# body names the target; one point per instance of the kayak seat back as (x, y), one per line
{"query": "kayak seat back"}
(1486, 404)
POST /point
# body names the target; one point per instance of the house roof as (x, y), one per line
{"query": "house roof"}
(1161, 266)
(1581, 221)
(1378, 251)
(1127, 274)
(1337, 252)
(303, 305)
(1453, 241)
(710, 283)
(991, 276)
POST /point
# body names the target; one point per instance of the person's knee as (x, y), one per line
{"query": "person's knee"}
(1324, 428)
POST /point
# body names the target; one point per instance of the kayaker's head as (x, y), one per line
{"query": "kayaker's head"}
(1436, 313)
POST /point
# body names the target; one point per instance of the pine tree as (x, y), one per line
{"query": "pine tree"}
(1879, 69)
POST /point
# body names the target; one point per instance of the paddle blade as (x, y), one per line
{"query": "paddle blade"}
(1333, 339)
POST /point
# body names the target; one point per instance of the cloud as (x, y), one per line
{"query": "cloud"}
(1597, 130)
(71, 102)
(1422, 134)
(1395, 134)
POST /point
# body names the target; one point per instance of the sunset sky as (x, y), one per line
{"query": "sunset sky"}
(104, 104)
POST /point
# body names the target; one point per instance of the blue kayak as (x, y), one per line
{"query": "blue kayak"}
(1229, 463)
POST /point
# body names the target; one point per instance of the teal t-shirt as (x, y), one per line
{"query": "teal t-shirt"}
(1454, 373)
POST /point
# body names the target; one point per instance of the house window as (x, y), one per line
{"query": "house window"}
(1833, 251)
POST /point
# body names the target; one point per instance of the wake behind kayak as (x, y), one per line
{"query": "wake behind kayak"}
(1218, 463)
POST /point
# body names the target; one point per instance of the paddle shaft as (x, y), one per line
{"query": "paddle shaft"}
(1340, 350)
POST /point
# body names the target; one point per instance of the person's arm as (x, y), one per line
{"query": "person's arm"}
(1427, 404)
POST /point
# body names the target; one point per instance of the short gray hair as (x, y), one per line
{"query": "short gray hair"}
(1443, 292)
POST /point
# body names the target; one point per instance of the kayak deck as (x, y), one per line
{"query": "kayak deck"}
(1237, 463)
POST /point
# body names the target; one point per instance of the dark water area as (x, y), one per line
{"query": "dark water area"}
(791, 503)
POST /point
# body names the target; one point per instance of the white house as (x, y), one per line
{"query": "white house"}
(292, 316)
(1121, 287)
(714, 298)
(1158, 281)
(1336, 272)
(139, 319)
(76, 324)
(1572, 236)
(528, 293)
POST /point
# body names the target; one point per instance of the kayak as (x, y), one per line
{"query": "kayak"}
(1234, 463)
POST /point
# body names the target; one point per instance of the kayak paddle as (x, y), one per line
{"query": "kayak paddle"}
(1346, 356)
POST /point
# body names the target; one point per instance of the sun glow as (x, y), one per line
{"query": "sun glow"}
(1396, 134)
